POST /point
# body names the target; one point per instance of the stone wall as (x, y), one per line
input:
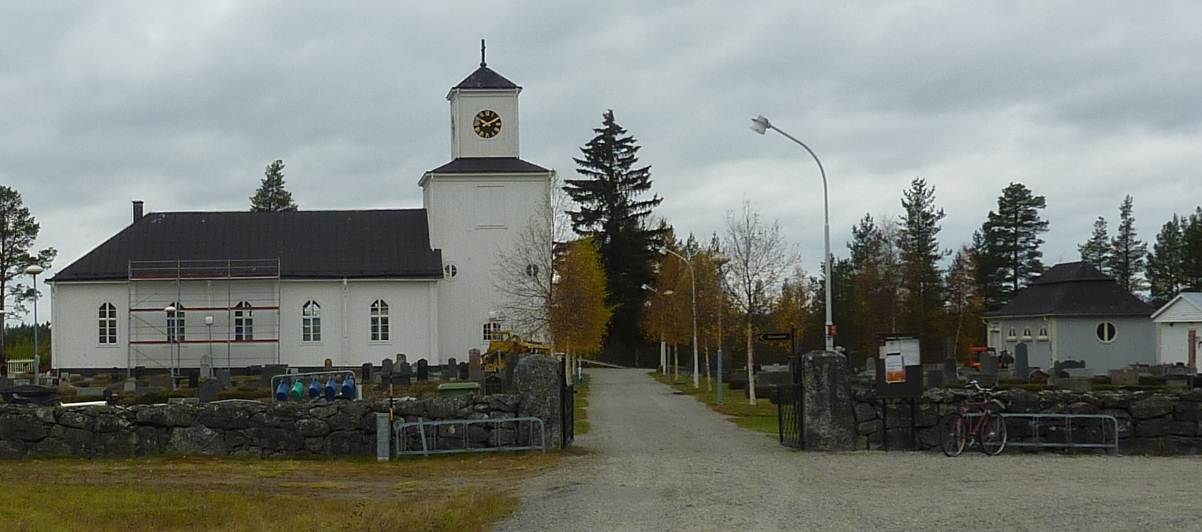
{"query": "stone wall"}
(1149, 422)
(285, 429)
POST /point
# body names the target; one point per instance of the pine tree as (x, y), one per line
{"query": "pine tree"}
(18, 231)
(1007, 246)
(875, 278)
(922, 282)
(271, 196)
(1127, 251)
(1096, 250)
(1165, 262)
(1191, 253)
(612, 210)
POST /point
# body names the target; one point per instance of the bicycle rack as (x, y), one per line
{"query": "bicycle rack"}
(461, 425)
(1034, 420)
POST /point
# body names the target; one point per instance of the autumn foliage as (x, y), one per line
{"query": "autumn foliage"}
(579, 314)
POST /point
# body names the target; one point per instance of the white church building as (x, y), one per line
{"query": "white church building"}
(298, 288)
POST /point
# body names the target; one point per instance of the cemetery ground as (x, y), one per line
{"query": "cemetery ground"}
(437, 493)
(658, 460)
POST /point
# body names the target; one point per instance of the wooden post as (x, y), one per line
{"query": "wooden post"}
(1193, 348)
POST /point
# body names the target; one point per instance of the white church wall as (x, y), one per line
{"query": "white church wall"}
(472, 230)
(75, 325)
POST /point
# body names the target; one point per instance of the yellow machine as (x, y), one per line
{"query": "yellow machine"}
(493, 360)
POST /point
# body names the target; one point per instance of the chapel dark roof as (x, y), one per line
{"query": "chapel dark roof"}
(486, 78)
(1073, 289)
(308, 244)
(487, 165)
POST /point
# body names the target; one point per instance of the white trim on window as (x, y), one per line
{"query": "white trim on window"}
(107, 321)
(311, 322)
(1106, 332)
(379, 321)
(1043, 334)
(1010, 334)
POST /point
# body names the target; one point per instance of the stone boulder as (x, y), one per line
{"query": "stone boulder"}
(1151, 407)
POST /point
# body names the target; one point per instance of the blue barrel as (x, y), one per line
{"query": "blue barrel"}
(281, 391)
(348, 387)
(314, 389)
(331, 389)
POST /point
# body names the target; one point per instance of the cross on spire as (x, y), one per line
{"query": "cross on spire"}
(482, 63)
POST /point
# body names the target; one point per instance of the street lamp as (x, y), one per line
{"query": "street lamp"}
(692, 281)
(171, 339)
(760, 125)
(663, 348)
(34, 270)
(720, 261)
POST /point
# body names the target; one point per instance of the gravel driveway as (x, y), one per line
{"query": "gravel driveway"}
(660, 461)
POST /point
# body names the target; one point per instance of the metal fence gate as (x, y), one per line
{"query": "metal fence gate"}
(567, 395)
(789, 409)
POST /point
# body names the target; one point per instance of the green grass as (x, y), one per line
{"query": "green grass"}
(580, 414)
(760, 417)
(465, 492)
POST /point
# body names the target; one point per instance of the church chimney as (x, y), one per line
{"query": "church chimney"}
(137, 210)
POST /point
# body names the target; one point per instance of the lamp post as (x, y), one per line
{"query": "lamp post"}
(760, 125)
(171, 339)
(693, 282)
(34, 270)
(720, 261)
(663, 353)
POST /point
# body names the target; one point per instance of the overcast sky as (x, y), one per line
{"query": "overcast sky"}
(183, 104)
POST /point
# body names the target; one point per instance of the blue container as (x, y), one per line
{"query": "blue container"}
(281, 391)
(331, 389)
(348, 388)
(314, 389)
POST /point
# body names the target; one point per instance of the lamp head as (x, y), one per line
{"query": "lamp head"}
(648, 287)
(760, 124)
(169, 308)
(34, 269)
(662, 250)
(669, 292)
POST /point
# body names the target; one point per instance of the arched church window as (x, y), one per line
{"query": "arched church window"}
(244, 322)
(311, 322)
(175, 323)
(108, 323)
(379, 321)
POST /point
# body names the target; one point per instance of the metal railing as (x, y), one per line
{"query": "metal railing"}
(18, 367)
(459, 435)
(1036, 419)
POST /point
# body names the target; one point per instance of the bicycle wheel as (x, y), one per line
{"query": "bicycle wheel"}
(993, 435)
(954, 435)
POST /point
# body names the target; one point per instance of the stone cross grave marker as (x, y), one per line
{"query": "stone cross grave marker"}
(474, 370)
(423, 369)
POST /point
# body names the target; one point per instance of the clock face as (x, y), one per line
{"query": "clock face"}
(487, 124)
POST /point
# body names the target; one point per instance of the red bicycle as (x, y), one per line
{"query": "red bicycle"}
(977, 422)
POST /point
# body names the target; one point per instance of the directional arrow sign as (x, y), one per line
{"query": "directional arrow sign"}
(776, 337)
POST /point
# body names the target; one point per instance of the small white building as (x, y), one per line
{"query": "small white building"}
(1179, 330)
(245, 288)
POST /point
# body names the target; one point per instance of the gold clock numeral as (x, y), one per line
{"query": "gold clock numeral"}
(487, 124)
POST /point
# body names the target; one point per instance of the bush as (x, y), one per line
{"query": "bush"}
(1100, 379)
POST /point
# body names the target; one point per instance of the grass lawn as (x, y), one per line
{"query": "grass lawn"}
(467, 492)
(582, 426)
(759, 418)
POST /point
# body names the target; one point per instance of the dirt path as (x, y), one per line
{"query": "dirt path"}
(660, 461)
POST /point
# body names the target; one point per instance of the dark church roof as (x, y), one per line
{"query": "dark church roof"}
(308, 244)
(1073, 289)
(488, 165)
(486, 78)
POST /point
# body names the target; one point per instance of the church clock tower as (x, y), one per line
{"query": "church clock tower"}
(477, 205)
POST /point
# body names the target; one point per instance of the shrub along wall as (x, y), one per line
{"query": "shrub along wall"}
(1149, 422)
(289, 429)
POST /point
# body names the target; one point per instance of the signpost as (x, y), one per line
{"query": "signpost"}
(790, 336)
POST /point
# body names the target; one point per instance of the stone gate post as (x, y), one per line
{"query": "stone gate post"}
(827, 405)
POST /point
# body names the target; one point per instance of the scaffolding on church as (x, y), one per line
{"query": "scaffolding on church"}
(210, 313)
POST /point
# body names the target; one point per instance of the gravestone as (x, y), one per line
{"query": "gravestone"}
(386, 371)
(130, 386)
(450, 370)
(400, 357)
(193, 380)
(206, 367)
(462, 371)
(1124, 377)
(365, 372)
(209, 389)
(988, 364)
(474, 371)
(1022, 368)
(405, 374)
(423, 370)
(159, 380)
(830, 423)
(224, 377)
(949, 369)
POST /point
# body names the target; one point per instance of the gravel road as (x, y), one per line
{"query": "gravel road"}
(660, 461)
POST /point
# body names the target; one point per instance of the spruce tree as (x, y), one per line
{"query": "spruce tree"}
(1096, 250)
(921, 281)
(1191, 253)
(613, 209)
(1007, 245)
(18, 232)
(1127, 251)
(1166, 260)
(271, 196)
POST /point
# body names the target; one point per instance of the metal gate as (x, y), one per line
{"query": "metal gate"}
(790, 405)
(789, 415)
(567, 395)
